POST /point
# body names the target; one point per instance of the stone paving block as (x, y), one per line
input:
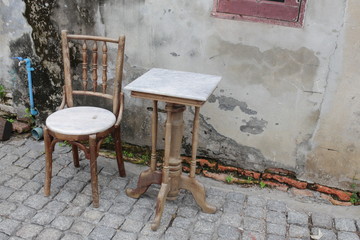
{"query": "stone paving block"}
(296, 231)
(132, 226)
(235, 197)
(216, 201)
(73, 211)
(37, 201)
(257, 201)
(58, 182)
(49, 233)
(275, 237)
(62, 222)
(24, 162)
(32, 187)
(255, 212)
(358, 224)
(43, 218)
(74, 185)
(9, 226)
(40, 178)
(22, 213)
(121, 235)
(276, 217)
(174, 233)
(234, 220)
(327, 234)
(109, 193)
(147, 202)
(37, 164)
(112, 220)
(346, 225)
(18, 196)
(6, 208)
(209, 217)
(3, 236)
(102, 232)
(69, 172)
(251, 235)
(72, 236)
(148, 233)
(83, 200)
(27, 173)
(36, 154)
(204, 227)
(121, 209)
(118, 183)
(140, 214)
(29, 231)
(4, 177)
(181, 222)
(15, 182)
(92, 216)
(347, 236)
(187, 211)
(276, 229)
(254, 224)
(12, 170)
(9, 159)
(65, 196)
(200, 236)
(298, 218)
(105, 205)
(228, 232)
(277, 206)
(5, 192)
(233, 207)
(82, 228)
(55, 207)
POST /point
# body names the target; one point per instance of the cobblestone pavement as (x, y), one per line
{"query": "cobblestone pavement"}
(252, 214)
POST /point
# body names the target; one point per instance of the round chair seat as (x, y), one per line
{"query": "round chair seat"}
(80, 120)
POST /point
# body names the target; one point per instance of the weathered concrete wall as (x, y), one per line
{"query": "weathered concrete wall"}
(280, 85)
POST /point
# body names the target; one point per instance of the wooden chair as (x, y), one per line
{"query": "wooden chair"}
(87, 127)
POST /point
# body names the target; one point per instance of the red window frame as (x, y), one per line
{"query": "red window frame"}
(287, 13)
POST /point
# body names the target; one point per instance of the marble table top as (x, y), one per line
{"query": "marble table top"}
(187, 85)
(80, 120)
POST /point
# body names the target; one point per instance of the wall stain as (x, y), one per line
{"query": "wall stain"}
(254, 126)
(230, 103)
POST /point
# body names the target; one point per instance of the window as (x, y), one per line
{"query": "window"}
(282, 12)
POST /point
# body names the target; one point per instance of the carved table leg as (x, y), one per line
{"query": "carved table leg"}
(150, 176)
(160, 202)
(198, 192)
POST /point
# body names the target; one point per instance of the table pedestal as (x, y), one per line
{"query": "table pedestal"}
(171, 178)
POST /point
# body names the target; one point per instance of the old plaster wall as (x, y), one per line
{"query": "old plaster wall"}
(280, 85)
(336, 149)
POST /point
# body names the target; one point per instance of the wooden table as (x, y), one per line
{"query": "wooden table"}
(177, 89)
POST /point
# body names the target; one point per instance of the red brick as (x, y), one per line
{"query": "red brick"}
(287, 180)
(333, 201)
(216, 176)
(280, 171)
(279, 186)
(341, 195)
(223, 168)
(206, 163)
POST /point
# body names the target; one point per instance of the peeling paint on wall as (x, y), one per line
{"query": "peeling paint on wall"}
(254, 126)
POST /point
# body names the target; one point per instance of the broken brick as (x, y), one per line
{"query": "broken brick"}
(341, 195)
(287, 180)
(281, 171)
(278, 186)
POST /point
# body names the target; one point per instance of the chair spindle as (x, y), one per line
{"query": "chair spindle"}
(104, 67)
(84, 66)
(94, 66)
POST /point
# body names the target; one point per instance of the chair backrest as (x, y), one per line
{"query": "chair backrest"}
(89, 46)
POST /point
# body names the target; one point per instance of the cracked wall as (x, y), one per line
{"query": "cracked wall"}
(270, 110)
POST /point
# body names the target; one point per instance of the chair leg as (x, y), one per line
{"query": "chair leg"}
(75, 153)
(93, 171)
(48, 161)
(118, 150)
